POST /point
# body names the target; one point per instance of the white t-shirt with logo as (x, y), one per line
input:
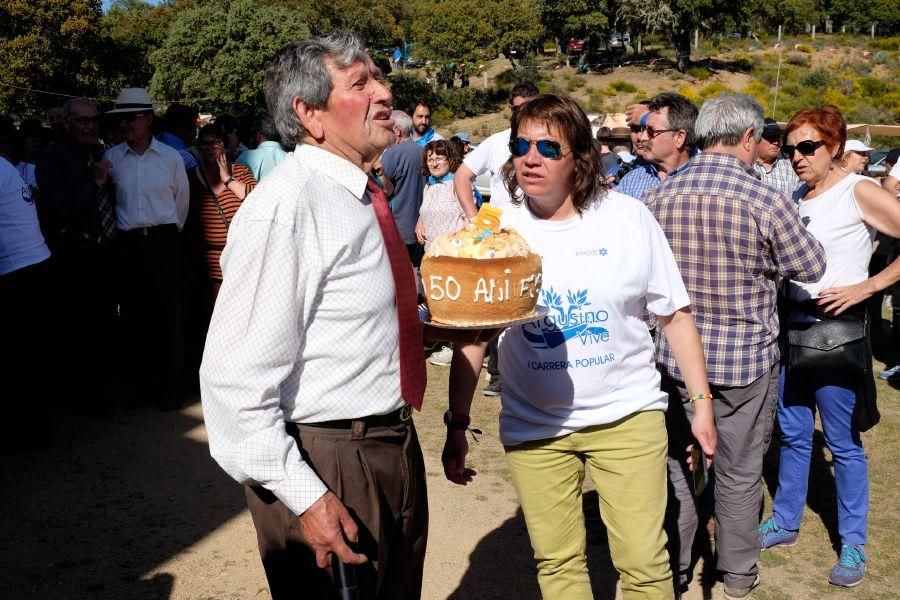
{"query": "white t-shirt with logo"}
(489, 157)
(21, 241)
(591, 360)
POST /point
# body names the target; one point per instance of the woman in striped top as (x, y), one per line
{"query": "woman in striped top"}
(217, 190)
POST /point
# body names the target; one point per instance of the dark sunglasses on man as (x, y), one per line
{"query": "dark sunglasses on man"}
(130, 117)
(773, 137)
(806, 148)
(547, 148)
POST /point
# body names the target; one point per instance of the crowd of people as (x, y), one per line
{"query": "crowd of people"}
(730, 262)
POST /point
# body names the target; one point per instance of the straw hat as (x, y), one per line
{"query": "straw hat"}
(133, 100)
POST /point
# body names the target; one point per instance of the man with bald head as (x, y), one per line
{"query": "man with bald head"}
(78, 220)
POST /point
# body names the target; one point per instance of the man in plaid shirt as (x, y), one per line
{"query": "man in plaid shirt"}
(733, 239)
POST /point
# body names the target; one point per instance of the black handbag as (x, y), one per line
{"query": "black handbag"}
(839, 346)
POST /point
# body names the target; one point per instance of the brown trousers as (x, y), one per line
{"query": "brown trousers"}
(380, 478)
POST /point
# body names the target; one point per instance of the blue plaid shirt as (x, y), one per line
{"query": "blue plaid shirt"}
(643, 178)
(733, 237)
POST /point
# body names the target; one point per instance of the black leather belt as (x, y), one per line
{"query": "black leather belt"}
(401, 415)
(148, 231)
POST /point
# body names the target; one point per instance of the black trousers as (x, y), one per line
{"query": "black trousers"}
(24, 375)
(380, 478)
(85, 276)
(152, 311)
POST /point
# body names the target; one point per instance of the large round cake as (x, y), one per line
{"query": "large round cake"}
(481, 275)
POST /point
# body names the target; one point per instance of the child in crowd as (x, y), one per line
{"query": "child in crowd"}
(440, 212)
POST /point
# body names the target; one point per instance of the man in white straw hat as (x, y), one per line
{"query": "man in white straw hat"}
(152, 195)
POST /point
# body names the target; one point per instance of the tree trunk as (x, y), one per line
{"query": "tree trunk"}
(682, 41)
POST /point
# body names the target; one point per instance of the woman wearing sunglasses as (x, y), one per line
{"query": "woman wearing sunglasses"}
(580, 385)
(843, 210)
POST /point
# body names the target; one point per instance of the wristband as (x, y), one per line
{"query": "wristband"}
(700, 397)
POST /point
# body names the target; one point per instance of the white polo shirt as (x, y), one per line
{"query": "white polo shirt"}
(490, 156)
(21, 241)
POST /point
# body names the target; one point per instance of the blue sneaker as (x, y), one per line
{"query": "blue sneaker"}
(890, 374)
(771, 535)
(850, 567)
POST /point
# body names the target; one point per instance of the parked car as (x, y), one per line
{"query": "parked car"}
(876, 166)
(414, 63)
(574, 46)
(615, 41)
(516, 50)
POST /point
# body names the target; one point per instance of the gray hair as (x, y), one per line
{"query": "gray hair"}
(300, 71)
(403, 122)
(68, 105)
(723, 120)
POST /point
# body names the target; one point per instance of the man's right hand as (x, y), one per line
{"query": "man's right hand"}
(324, 526)
(100, 172)
(454, 457)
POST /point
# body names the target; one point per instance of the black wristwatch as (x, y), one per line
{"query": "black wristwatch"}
(229, 180)
(456, 421)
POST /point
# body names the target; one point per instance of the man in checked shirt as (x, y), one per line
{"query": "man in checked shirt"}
(733, 239)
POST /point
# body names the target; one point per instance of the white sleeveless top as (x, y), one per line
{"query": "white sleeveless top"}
(834, 218)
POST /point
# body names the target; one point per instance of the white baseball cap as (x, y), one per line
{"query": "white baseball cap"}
(856, 146)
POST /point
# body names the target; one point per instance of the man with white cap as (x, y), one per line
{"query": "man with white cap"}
(856, 156)
(774, 170)
(152, 195)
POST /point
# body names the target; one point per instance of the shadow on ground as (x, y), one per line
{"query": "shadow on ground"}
(504, 557)
(108, 502)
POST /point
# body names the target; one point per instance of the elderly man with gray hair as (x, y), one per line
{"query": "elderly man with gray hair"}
(733, 238)
(314, 354)
(401, 164)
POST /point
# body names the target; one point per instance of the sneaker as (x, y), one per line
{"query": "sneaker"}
(494, 388)
(850, 567)
(771, 535)
(741, 592)
(442, 357)
(890, 374)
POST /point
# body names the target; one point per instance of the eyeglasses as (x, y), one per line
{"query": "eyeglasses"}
(85, 120)
(806, 148)
(774, 138)
(636, 128)
(652, 133)
(131, 116)
(547, 148)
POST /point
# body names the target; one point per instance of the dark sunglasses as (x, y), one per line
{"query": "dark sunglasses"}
(546, 148)
(652, 133)
(131, 116)
(772, 138)
(806, 148)
(636, 128)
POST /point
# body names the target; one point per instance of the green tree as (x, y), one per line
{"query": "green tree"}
(133, 29)
(564, 19)
(792, 15)
(220, 51)
(49, 45)
(459, 30)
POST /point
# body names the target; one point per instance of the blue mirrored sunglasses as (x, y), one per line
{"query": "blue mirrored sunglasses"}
(546, 148)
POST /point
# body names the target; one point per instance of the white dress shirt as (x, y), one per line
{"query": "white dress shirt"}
(151, 188)
(305, 325)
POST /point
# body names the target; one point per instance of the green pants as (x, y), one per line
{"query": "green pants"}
(627, 460)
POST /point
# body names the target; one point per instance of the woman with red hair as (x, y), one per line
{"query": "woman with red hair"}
(843, 210)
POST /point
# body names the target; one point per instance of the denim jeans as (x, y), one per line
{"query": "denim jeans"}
(797, 404)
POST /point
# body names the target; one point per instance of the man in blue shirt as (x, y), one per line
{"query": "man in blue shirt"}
(422, 132)
(179, 130)
(666, 141)
(401, 163)
(268, 151)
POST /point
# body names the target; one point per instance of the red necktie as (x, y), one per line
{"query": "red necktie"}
(412, 362)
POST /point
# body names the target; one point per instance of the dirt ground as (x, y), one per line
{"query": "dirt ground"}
(132, 506)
